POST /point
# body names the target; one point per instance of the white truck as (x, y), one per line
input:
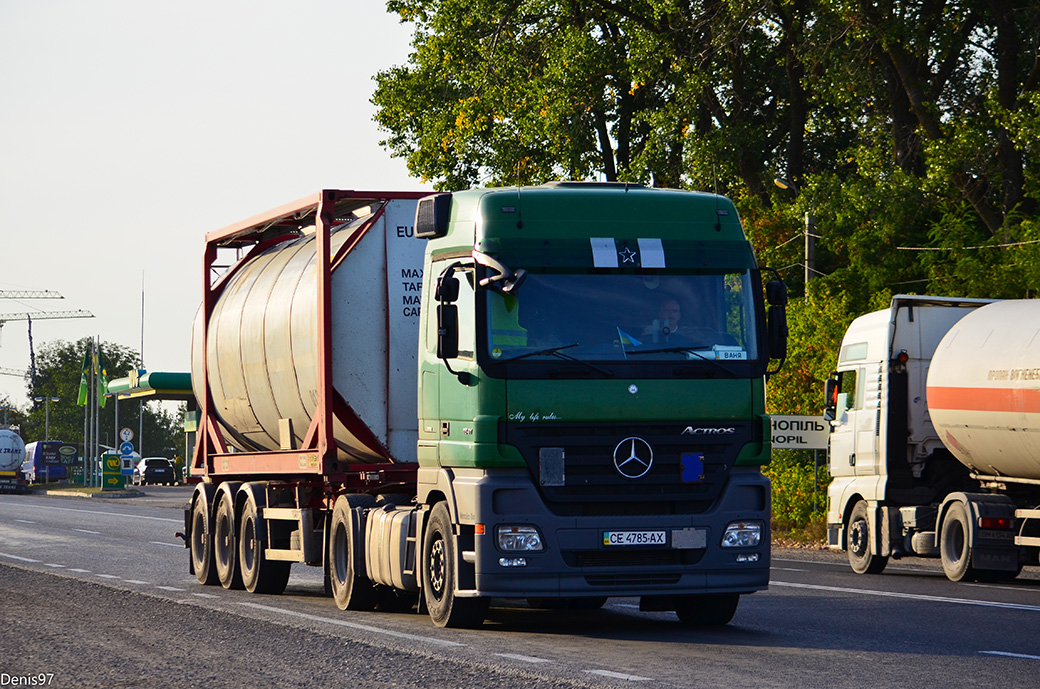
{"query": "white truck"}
(935, 443)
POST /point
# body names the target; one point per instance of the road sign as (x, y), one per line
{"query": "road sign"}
(800, 432)
(126, 435)
(126, 448)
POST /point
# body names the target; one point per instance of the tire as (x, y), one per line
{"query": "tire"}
(351, 589)
(953, 544)
(860, 557)
(259, 575)
(710, 610)
(439, 576)
(225, 549)
(202, 543)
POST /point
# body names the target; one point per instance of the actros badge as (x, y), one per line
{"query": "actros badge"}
(633, 457)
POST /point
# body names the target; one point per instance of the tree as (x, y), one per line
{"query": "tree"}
(909, 128)
(58, 372)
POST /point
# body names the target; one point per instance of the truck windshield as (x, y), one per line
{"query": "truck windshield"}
(629, 317)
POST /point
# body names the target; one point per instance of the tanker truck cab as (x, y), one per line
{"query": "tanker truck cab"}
(893, 478)
(591, 401)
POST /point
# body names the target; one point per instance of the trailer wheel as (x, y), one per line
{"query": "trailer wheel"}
(953, 548)
(259, 575)
(202, 543)
(351, 589)
(712, 610)
(860, 557)
(225, 555)
(439, 575)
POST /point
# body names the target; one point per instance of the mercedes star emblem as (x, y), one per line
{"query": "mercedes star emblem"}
(633, 457)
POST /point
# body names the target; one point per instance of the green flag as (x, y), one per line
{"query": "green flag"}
(102, 378)
(84, 380)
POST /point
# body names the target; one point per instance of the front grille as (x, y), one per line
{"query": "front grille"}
(592, 484)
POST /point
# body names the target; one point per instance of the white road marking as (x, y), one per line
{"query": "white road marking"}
(20, 559)
(994, 586)
(96, 533)
(169, 588)
(137, 581)
(1010, 655)
(526, 659)
(912, 596)
(108, 576)
(787, 569)
(171, 545)
(80, 571)
(353, 625)
(618, 675)
(205, 595)
(104, 514)
(24, 521)
(55, 566)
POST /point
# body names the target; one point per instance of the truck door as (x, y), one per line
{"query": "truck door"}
(843, 437)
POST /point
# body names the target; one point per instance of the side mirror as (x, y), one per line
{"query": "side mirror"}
(447, 291)
(448, 329)
(830, 397)
(776, 293)
(777, 332)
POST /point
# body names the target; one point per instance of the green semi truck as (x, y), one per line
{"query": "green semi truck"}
(551, 393)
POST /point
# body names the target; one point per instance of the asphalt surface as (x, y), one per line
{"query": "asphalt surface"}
(97, 592)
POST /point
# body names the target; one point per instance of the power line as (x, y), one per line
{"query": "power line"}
(956, 248)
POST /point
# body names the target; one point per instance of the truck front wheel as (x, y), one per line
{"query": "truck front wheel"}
(439, 575)
(954, 539)
(860, 557)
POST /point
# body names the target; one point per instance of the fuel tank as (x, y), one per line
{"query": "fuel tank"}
(984, 389)
(262, 337)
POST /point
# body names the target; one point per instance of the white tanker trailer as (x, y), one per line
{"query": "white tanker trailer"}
(12, 454)
(935, 445)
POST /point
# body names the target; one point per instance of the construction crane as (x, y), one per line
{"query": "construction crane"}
(29, 294)
(40, 316)
(11, 372)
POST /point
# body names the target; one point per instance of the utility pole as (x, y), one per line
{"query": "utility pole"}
(810, 246)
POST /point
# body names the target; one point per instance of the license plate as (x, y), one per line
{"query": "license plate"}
(615, 538)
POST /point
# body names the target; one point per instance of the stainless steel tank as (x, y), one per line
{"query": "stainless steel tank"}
(984, 389)
(261, 352)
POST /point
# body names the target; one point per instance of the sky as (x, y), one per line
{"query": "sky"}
(130, 129)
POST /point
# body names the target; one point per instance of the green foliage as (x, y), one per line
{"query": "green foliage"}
(58, 371)
(909, 130)
(799, 502)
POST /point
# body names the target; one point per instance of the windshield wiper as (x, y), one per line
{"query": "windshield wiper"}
(691, 351)
(541, 352)
(556, 352)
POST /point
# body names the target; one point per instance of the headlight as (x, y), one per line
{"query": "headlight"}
(742, 535)
(518, 538)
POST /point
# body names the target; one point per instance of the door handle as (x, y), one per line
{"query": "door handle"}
(852, 460)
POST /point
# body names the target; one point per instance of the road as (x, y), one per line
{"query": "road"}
(98, 593)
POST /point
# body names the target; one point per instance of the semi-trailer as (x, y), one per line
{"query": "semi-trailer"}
(935, 446)
(551, 393)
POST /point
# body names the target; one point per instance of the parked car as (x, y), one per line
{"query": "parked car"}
(155, 470)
